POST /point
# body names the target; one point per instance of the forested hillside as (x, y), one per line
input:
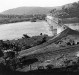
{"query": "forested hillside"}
(67, 11)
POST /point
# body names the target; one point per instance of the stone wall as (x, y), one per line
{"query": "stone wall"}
(52, 24)
(55, 23)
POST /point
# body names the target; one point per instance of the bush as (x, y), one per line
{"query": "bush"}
(25, 42)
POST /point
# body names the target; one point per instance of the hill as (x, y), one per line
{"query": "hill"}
(66, 33)
(56, 51)
(28, 10)
(67, 11)
(59, 51)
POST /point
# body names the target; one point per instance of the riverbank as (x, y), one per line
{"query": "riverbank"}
(6, 19)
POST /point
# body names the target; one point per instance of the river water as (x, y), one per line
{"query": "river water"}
(16, 30)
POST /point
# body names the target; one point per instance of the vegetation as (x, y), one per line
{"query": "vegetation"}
(8, 60)
(67, 11)
(23, 43)
(12, 63)
(20, 18)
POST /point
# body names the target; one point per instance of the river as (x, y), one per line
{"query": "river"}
(16, 30)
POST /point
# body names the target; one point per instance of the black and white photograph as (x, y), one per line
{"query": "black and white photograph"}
(39, 37)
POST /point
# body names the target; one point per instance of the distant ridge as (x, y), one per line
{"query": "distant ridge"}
(28, 10)
(70, 10)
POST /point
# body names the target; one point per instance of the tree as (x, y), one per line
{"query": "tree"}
(1, 53)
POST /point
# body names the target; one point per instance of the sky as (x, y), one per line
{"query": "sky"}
(9, 4)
